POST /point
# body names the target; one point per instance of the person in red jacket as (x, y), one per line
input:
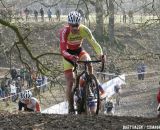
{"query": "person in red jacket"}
(158, 100)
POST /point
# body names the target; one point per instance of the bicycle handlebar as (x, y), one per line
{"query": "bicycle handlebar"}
(87, 62)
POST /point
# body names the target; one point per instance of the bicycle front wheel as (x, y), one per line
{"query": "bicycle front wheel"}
(91, 96)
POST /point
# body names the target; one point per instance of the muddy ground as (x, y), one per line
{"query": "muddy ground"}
(36, 121)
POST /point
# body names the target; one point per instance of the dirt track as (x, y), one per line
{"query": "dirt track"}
(139, 98)
(35, 121)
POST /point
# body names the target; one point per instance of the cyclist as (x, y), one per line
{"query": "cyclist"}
(71, 38)
(28, 102)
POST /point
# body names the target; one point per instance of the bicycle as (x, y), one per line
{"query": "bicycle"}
(90, 89)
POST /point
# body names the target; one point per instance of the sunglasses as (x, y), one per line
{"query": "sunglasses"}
(74, 25)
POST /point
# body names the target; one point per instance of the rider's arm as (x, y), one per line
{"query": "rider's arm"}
(158, 97)
(63, 44)
(38, 108)
(21, 105)
(87, 33)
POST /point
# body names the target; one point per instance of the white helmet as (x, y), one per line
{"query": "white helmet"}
(26, 94)
(74, 17)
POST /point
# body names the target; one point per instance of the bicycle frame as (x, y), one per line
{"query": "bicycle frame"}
(88, 78)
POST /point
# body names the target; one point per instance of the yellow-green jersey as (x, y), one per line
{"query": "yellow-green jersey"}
(72, 41)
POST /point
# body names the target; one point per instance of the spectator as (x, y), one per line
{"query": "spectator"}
(42, 14)
(124, 17)
(13, 90)
(39, 80)
(19, 84)
(141, 68)
(130, 15)
(49, 15)
(36, 15)
(33, 74)
(22, 73)
(3, 86)
(26, 12)
(13, 73)
(28, 79)
(58, 13)
(44, 82)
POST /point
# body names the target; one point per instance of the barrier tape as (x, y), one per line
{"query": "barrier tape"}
(128, 74)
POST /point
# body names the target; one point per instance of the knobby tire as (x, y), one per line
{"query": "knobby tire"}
(89, 87)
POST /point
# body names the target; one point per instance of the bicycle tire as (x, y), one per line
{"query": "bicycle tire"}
(91, 87)
(78, 104)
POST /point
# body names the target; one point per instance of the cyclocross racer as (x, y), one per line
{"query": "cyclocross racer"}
(29, 103)
(71, 38)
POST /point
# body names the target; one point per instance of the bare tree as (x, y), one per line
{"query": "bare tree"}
(99, 19)
(111, 21)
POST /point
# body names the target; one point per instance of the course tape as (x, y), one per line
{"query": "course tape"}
(128, 74)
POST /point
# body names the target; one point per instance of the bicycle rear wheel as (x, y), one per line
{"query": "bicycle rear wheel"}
(78, 101)
(91, 96)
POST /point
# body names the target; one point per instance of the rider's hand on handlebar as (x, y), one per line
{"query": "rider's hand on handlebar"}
(102, 58)
(74, 58)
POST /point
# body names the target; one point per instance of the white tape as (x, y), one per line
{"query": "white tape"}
(128, 74)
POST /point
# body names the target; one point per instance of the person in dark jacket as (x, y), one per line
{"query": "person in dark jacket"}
(13, 73)
(141, 69)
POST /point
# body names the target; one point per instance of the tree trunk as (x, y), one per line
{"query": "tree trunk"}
(111, 22)
(99, 19)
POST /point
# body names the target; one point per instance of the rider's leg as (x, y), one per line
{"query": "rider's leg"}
(102, 92)
(85, 56)
(92, 106)
(93, 110)
(69, 82)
